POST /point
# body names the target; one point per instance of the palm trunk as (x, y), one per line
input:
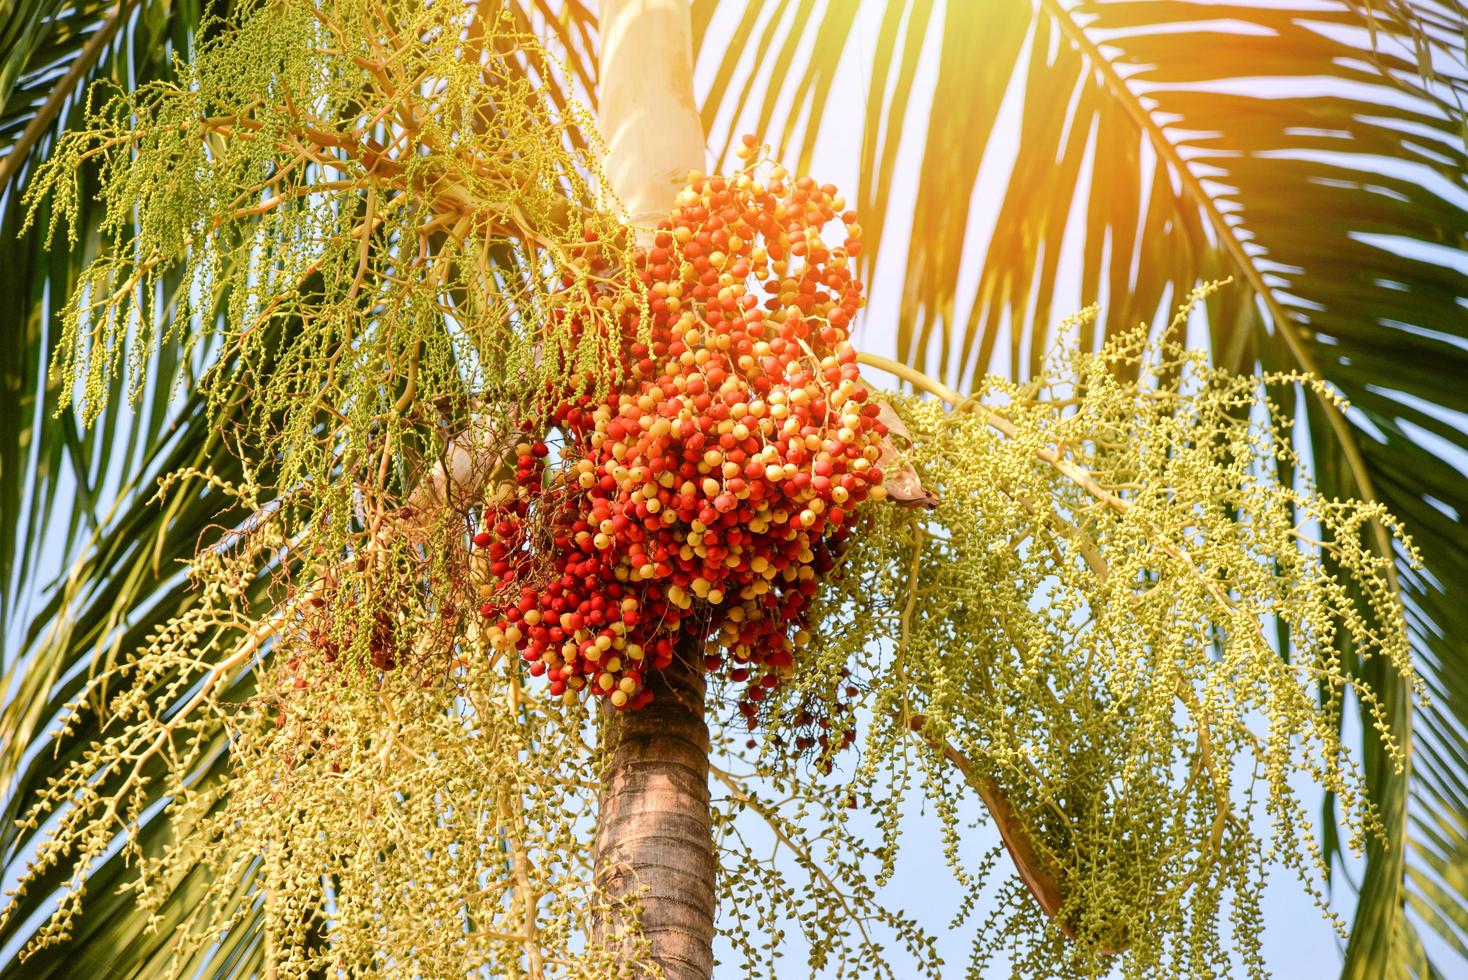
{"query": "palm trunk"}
(653, 839)
(654, 844)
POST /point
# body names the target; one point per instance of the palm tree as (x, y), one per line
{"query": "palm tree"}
(1315, 157)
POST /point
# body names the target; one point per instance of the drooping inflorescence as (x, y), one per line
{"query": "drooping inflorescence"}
(319, 209)
(1113, 633)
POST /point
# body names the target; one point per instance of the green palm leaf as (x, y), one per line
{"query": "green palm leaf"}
(53, 53)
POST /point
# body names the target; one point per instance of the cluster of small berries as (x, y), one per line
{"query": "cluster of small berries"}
(715, 485)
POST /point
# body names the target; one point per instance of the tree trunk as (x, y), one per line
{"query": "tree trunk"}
(653, 839)
(654, 844)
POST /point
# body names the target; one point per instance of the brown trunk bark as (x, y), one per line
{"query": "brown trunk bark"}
(653, 843)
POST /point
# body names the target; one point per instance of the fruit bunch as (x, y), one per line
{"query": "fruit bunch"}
(710, 489)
